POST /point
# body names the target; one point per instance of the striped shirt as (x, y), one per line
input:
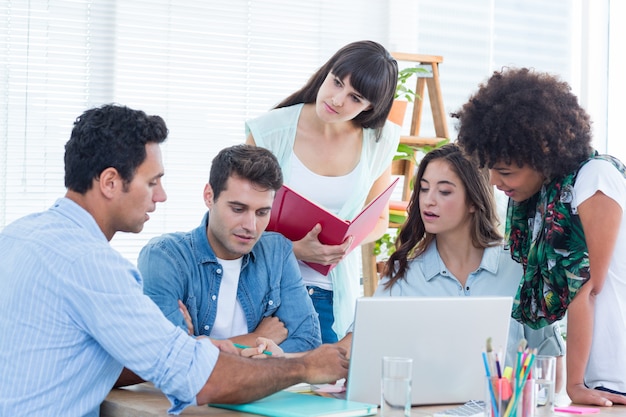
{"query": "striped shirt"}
(73, 314)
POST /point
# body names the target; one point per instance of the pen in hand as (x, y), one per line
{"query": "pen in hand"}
(237, 345)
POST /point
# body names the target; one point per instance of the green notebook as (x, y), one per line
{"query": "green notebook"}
(293, 404)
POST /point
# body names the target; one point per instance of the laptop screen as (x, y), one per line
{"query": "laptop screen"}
(445, 336)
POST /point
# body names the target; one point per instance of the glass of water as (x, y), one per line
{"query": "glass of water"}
(395, 392)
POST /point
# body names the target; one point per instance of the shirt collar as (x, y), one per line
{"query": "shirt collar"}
(491, 259)
(434, 266)
(73, 211)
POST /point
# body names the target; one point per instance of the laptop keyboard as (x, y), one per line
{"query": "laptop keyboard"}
(469, 409)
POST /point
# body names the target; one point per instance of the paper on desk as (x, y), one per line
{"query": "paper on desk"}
(301, 387)
(337, 387)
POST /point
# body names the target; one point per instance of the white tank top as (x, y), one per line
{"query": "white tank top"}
(328, 192)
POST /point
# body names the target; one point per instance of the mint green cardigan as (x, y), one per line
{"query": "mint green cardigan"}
(276, 131)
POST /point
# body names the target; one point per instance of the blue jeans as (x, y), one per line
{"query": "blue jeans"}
(323, 304)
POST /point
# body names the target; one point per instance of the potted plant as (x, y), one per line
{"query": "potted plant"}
(403, 91)
(404, 94)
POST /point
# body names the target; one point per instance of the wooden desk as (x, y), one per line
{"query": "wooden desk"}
(144, 400)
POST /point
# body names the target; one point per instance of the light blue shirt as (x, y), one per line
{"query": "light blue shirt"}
(497, 275)
(276, 131)
(183, 266)
(73, 314)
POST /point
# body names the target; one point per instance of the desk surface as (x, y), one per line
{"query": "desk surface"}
(144, 400)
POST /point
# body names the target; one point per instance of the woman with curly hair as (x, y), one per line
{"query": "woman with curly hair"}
(564, 222)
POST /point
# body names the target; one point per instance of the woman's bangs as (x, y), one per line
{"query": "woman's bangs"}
(363, 79)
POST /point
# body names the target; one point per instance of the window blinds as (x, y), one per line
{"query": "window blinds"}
(206, 67)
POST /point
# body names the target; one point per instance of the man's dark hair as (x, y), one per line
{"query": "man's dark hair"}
(255, 164)
(110, 136)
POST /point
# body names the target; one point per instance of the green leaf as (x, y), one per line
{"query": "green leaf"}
(402, 89)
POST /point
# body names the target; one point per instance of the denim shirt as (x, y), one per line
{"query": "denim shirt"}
(183, 266)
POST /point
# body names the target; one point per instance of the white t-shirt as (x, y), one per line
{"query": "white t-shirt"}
(607, 360)
(230, 320)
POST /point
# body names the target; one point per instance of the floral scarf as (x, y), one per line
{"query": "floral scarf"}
(546, 236)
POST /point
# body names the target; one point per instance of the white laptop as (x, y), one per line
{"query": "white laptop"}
(445, 336)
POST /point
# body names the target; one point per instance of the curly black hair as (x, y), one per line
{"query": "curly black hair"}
(109, 136)
(527, 117)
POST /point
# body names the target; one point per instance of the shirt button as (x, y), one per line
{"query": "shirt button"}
(218, 270)
(206, 327)
(444, 272)
(213, 298)
(270, 302)
(311, 291)
(467, 288)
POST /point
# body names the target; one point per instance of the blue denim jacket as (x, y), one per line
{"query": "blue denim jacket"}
(183, 266)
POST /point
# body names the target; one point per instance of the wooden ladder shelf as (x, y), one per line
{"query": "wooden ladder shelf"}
(425, 82)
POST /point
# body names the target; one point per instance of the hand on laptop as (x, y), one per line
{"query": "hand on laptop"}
(346, 343)
(322, 363)
(325, 363)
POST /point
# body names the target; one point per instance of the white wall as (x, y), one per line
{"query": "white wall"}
(616, 143)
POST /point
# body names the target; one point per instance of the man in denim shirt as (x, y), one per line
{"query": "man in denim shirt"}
(227, 278)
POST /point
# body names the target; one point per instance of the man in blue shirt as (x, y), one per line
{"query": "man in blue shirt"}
(73, 314)
(234, 280)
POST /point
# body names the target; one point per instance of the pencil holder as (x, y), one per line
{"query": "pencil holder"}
(504, 399)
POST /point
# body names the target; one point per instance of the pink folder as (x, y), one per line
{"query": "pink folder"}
(294, 216)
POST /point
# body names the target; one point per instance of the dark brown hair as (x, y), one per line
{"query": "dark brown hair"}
(373, 73)
(413, 238)
(255, 164)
